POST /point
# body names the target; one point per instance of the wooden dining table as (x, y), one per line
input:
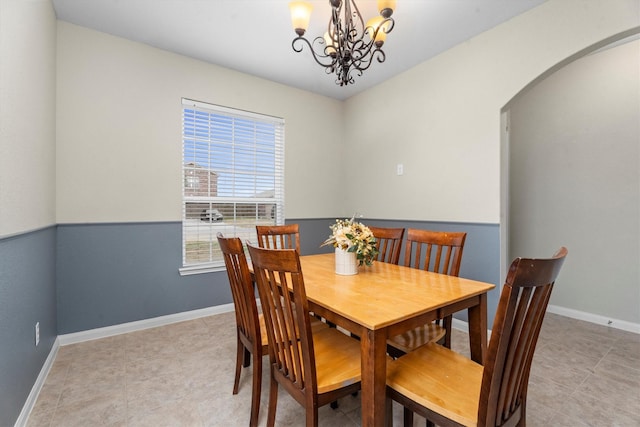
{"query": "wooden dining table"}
(384, 300)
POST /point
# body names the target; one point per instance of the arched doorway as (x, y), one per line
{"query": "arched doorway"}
(570, 175)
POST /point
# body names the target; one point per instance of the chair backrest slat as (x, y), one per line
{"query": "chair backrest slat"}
(514, 335)
(279, 236)
(442, 250)
(388, 243)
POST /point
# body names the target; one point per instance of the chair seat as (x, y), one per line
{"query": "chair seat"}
(337, 359)
(439, 379)
(414, 338)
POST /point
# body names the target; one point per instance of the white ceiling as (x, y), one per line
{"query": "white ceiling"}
(254, 36)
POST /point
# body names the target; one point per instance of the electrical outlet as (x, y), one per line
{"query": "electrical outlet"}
(400, 169)
(37, 333)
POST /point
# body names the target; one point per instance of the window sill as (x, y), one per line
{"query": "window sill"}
(200, 269)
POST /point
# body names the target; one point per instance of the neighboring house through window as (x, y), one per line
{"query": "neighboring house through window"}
(233, 179)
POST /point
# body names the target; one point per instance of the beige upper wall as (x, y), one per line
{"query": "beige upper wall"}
(27, 115)
(441, 119)
(118, 135)
(119, 129)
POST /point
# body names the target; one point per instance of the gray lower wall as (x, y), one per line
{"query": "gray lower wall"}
(108, 274)
(27, 296)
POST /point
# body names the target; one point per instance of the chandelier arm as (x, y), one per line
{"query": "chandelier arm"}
(364, 64)
(315, 55)
(364, 49)
(387, 25)
(380, 55)
(360, 49)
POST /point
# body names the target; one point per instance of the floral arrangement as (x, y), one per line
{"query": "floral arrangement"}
(353, 236)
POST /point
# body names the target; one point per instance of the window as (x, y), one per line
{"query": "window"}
(191, 181)
(233, 179)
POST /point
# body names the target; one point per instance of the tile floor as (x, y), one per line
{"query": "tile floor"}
(182, 375)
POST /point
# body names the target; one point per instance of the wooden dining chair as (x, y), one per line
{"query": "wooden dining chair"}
(284, 237)
(388, 243)
(279, 236)
(448, 389)
(440, 252)
(319, 367)
(252, 342)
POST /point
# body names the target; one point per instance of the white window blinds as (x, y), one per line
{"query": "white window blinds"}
(233, 178)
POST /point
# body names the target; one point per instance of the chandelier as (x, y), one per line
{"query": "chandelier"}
(348, 47)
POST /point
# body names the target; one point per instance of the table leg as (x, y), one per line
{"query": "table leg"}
(478, 330)
(373, 345)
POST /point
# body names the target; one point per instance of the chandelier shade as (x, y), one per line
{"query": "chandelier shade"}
(348, 47)
(300, 15)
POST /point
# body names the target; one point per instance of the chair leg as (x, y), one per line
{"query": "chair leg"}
(408, 417)
(239, 363)
(312, 417)
(447, 322)
(257, 386)
(273, 402)
(388, 412)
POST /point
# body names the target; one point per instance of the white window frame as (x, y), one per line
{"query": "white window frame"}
(239, 162)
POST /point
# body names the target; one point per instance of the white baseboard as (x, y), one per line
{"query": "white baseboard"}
(139, 325)
(460, 325)
(573, 314)
(595, 318)
(37, 386)
(463, 325)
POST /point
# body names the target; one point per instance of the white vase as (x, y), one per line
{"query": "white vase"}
(346, 262)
